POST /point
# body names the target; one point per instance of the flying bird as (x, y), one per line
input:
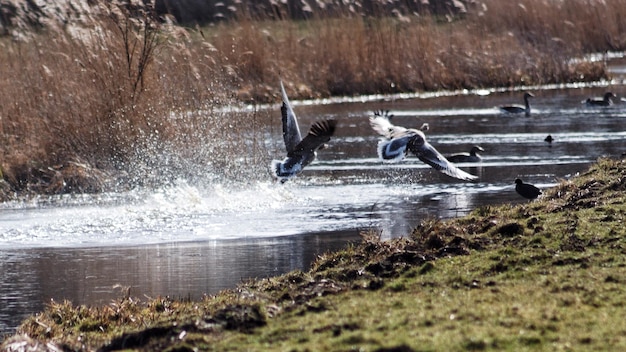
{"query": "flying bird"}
(516, 108)
(300, 152)
(604, 101)
(398, 141)
(526, 190)
(471, 157)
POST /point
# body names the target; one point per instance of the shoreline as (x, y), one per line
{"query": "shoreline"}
(552, 245)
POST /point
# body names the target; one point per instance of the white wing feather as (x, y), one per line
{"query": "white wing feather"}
(429, 155)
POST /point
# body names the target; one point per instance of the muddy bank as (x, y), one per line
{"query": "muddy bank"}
(551, 267)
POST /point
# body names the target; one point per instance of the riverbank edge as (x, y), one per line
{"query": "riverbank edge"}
(575, 228)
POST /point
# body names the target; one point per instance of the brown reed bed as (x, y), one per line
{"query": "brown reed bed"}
(121, 100)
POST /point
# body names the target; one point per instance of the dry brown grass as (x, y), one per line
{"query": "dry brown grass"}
(573, 26)
(108, 98)
(507, 44)
(134, 97)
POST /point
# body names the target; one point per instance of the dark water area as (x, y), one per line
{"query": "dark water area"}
(187, 241)
(30, 278)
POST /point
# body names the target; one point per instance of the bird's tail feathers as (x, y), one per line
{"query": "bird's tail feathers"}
(280, 172)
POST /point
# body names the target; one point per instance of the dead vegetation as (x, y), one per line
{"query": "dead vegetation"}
(93, 109)
(122, 98)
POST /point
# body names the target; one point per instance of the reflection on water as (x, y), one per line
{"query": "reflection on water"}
(31, 277)
(191, 239)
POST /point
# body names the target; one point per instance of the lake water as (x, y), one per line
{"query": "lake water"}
(187, 240)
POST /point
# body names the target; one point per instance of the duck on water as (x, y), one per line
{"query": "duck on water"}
(300, 152)
(398, 141)
(604, 101)
(471, 157)
(516, 108)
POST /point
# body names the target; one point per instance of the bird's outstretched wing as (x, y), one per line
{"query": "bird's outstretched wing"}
(399, 139)
(291, 131)
(429, 155)
(320, 133)
(381, 123)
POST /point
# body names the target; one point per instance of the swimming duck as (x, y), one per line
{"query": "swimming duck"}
(471, 157)
(300, 152)
(518, 109)
(526, 190)
(549, 139)
(604, 101)
(399, 141)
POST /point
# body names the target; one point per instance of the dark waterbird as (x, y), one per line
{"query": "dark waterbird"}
(549, 139)
(526, 190)
(516, 108)
(300, 152)
(398, 141)
(604, 101)
(471, 157)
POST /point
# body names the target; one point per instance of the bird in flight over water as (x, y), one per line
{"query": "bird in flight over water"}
(300, 151)
(398, 141)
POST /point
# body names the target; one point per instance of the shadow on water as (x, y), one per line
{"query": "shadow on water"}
(188, 240)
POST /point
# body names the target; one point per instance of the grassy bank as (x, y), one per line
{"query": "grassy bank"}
(545, 275)
(115, 101)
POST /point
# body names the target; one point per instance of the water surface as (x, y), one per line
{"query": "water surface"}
(189, 239)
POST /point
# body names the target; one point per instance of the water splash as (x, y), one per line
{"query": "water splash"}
(172, 213)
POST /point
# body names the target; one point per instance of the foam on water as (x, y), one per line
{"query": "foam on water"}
(184, 212)
(176, 213)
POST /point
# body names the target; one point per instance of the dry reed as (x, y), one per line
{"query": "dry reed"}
(142, 101)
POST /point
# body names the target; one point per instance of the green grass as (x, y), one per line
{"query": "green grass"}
(545, 275)
(460, 306)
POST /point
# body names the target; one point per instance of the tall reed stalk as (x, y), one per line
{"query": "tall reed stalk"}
(123, 99)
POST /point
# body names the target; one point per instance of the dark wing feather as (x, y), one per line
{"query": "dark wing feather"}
(320, 133)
